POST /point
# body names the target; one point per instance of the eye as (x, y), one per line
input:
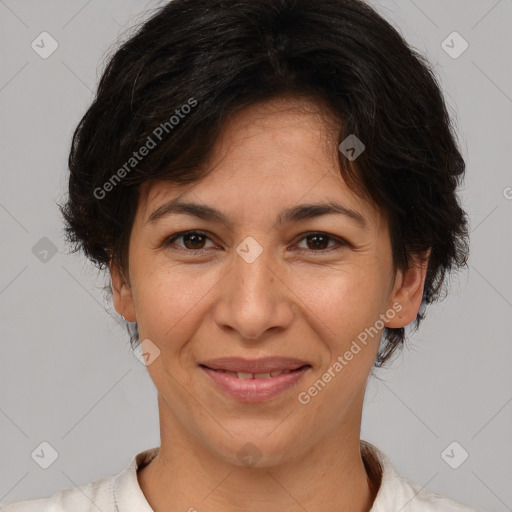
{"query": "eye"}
(193, 241)
(318, 242)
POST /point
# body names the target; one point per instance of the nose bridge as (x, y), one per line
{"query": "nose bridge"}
(253, 275)
(253, 298)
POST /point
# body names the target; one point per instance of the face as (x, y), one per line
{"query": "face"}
(263, 277)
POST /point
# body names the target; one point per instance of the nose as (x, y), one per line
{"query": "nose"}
(254, 298)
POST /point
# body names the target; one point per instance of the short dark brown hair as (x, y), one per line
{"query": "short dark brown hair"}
(195, 63)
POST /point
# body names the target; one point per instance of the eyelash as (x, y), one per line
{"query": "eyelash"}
(170, 240)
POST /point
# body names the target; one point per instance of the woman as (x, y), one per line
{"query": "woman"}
(271, 185)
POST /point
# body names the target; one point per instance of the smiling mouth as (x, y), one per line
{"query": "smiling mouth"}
(255, 387)
(266, 375)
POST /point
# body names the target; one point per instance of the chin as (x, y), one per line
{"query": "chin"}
(254, 446)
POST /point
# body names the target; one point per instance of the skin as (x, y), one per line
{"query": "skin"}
(296, 299)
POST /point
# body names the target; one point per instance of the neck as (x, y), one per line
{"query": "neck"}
(329, 477)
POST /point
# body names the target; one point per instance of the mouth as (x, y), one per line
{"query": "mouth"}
(259, 366)
(262, 375)
(257, 380)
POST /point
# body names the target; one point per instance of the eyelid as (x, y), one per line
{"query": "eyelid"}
(169, 240)
(340, 241)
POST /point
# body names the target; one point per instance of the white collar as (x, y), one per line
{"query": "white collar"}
(394, 493)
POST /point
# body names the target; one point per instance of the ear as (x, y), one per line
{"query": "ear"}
(122, 294)
(408, 292)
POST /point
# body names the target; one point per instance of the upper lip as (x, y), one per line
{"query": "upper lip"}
(262, 365)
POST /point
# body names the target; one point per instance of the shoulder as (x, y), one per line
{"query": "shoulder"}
(113, 493)
(85, 498)
(421, 499)
(398, 493)
(90, 497)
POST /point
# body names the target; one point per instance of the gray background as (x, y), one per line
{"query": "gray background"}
(67, 374)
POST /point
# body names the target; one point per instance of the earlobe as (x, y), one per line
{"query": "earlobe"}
(408, 292)
(122, 294)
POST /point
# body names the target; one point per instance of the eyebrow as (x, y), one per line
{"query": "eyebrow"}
(290, 215)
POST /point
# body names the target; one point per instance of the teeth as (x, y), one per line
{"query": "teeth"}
(242, 375)
(273, 373)
(262, 375)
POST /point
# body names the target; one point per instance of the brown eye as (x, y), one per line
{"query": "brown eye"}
(318, 242)
(193, 241)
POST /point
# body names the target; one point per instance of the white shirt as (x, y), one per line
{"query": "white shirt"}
(122, 493)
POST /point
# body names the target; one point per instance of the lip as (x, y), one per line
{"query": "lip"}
(255, 389)
(261, 365)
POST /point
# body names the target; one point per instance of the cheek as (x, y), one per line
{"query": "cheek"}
(335, 301)
(342, 308)
(168, 301)
(346, 300)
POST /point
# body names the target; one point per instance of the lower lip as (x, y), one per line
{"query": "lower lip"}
(255, 390)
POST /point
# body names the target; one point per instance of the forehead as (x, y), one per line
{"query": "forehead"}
(277, 152)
